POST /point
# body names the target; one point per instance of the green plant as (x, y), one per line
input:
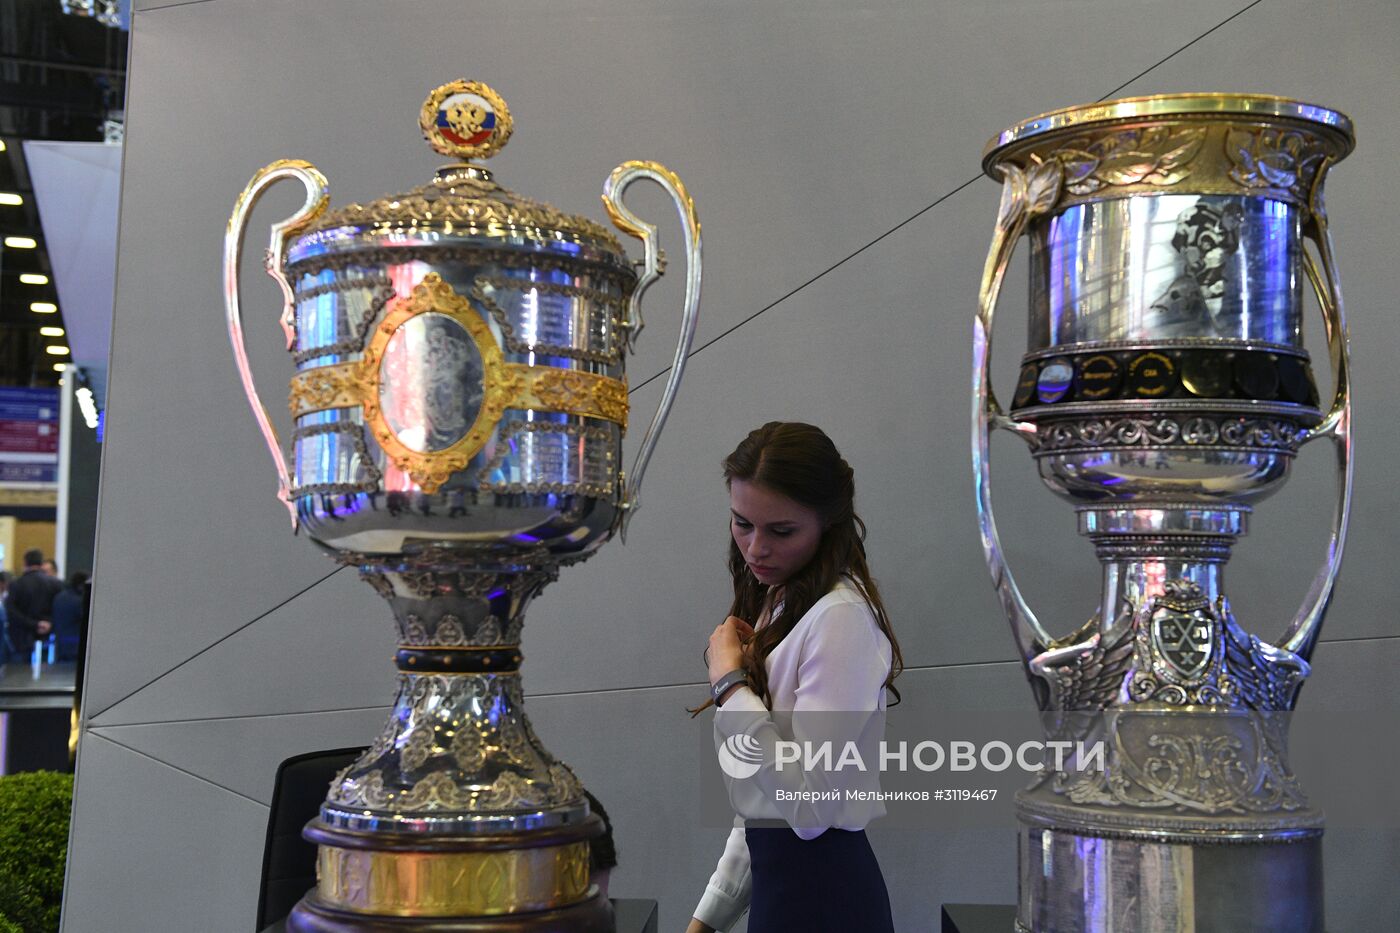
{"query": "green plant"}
(34, 813)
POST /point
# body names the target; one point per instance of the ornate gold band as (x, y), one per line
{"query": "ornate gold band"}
(442, 884)
(1260, 107)
(542, 388)
(325, 387)
(1177, 154)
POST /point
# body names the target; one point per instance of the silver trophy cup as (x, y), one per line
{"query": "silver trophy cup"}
(1165, 391)
(459, 404)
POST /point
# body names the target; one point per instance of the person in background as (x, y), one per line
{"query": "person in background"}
(50, 568)
(29, 604)
(68, 616)
(6, 649)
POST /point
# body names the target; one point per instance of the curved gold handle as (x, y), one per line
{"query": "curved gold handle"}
(1302, 634)
(653, 266)
(317, 197)
(1024, 195)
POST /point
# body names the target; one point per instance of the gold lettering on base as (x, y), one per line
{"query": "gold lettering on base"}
(413, 884)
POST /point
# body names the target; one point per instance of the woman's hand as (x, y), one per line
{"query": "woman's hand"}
(697, 926)
(726, 652)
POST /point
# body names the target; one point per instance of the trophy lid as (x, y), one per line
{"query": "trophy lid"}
(1335, 126)
(463, 205)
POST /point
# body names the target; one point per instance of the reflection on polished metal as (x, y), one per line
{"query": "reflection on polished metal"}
(459, 405)
(1169, 245)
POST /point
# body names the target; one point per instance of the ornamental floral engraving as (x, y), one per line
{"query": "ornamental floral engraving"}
(1165, 431)
(581, 393)
(419, 747)
(478, 208)
(1274, 158)
(324, 387)
(1182, 764)
(1157, 155)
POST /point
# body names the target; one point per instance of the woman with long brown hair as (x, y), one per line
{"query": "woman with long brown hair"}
(806, 634)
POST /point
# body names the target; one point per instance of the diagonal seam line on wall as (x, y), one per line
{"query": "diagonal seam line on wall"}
(1354, 638)
(829, 269)
(992, 662)
(209, 647)
(167, 6)
(915, 216)
(232, 716)
(184, 771)
(1182, 49)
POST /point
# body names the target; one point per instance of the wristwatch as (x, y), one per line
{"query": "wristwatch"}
(721, 686)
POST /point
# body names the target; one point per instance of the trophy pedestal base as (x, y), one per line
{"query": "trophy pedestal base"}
(594, 915)
(1077, 883)
(531, 881)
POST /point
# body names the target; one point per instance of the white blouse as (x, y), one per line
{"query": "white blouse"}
(835, 658)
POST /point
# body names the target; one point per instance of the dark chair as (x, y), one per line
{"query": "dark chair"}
(289, 862)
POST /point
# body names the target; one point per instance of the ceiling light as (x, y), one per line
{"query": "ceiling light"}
(33, 278)
(10, 199)
(87, 405)
(51, 331)
(43, 307)
(2, 145)
(20, 242)
(59, 367)
(56, 350)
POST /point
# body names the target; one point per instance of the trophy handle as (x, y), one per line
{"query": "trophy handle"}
(653, 266)
(1023, 196)
(317, 197)
(1302, 633)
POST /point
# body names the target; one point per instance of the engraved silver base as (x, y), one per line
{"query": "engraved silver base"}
(458, 754)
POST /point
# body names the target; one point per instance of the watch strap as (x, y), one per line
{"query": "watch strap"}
(721, 686)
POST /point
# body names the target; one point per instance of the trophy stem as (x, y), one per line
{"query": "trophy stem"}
(1141, 548)
(456, 818)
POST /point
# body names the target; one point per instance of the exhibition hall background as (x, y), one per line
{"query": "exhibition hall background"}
(833, 149)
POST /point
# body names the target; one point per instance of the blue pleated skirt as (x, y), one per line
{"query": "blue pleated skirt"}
(830, 884)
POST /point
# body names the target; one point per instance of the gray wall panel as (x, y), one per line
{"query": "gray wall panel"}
(804, 131)
(1350, 676)
(330, 648)
(241, 753)
(157, 850)
(1361, 878)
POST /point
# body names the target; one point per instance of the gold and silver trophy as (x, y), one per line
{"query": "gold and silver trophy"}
(459, 404)
(1166, 390)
